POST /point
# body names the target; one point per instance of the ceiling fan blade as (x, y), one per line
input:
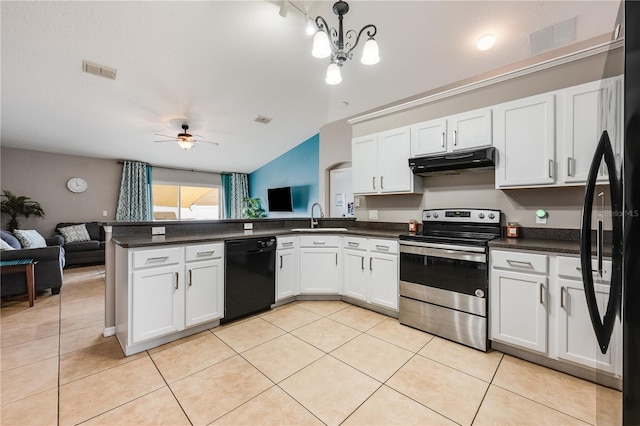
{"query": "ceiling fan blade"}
(169, 140)
(213, 143)
(165, 136)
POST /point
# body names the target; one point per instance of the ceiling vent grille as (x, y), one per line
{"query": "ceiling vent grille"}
(262, 119)
(553, 36)
(99, 70)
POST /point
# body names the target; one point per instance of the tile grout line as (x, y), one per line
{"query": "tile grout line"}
(487, 390)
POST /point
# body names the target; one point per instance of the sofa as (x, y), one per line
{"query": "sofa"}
(48, 270)
(83, 253)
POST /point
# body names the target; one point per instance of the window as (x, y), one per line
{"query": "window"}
(181, 202)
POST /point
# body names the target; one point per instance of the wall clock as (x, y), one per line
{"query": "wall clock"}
(77, 184)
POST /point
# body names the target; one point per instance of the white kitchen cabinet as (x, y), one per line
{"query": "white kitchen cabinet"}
(525, 138)
(354, 267)
(383, 273)
(464, 131)
(319, 264)
(157, 306)
(204, 287)
(380, 163)
(576, 339)
(518, 288)
(287, 259)
(589, 109)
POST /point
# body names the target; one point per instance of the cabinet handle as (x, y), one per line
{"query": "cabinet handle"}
(551, 169)
(595, 271)
(190, 278)
(382, 248)
(562, 290)
(541, 293)
(374, 182)
(157, 259)
(371, 263)
(289, 244)
(352, 244)
(570, 168)
(280, 262)
(336, 258)
(455, 138)
(442, 140)
(319, 243)
(205, 253)
(176, 276)
(381, 182)
(362, 262)
(520, 263)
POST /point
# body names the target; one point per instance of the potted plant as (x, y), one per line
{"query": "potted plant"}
(253, 209)
(18, 205)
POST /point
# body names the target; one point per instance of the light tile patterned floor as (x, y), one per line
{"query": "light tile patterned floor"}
(304, 363)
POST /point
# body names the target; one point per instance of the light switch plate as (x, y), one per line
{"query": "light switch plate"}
(357, 202)
(541, 220)
(373, 214)
(157, 230)
(248, 226)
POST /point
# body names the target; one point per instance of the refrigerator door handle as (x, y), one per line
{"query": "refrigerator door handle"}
(603, 328)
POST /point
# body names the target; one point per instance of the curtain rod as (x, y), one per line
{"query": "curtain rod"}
(178, 168)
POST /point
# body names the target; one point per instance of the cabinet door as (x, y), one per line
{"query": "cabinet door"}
(576, 338)
(429, 137)
(383, 280)
(364, 165)
(204, 292)
(394, 150)
(287, 274)
(319, 271)
(470, 130)
(157, 302)
(524, 136)
(354, 277)
(518, 311)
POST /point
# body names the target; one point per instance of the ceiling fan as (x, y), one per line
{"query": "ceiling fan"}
(185, 139)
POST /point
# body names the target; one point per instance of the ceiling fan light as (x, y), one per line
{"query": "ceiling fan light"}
(321, 46)
(370, 52)
(486, 42)
(185, 144)
(333, 74)
(310, 29)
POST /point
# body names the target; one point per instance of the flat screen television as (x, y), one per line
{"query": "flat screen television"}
(279, 199)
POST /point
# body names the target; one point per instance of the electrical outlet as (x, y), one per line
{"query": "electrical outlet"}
(357, 202)
(541, 220)
(373, 214)
(104, 213)
(157, 230)
(248, 226)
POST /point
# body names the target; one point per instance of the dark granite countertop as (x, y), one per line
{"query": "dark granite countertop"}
(134, 241)
(554, 246)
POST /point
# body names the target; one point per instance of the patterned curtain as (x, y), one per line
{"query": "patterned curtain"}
(226, 191)
(134, 201)
(239, 191)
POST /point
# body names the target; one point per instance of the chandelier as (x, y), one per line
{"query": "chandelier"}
(339, 45)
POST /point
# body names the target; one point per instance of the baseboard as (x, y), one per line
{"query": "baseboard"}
(109, 331)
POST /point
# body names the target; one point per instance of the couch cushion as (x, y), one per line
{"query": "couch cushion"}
(82, 246)
(5, 245)
(10, 239)
(30, 238)
(75, 233)
(95, 231)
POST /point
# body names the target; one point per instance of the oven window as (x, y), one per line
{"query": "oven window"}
(460, 276)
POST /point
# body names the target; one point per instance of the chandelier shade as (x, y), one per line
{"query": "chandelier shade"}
(329, 42)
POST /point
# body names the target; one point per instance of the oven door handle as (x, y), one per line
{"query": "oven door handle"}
(444, 253)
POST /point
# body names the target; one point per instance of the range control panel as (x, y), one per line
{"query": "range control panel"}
(461, 215)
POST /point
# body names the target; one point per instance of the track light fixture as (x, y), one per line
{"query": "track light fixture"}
(329, 42)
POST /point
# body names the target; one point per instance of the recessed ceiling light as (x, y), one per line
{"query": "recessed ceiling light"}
(486, 42)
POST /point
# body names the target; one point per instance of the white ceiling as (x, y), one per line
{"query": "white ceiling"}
(219, 64)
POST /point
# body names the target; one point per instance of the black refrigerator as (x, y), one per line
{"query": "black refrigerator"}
(617, 233)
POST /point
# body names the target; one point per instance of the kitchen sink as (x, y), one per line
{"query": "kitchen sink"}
(319, 229)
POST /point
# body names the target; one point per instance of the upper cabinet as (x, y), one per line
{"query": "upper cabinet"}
(380, 163)
(524, 135)
(550, 139)
(458, 132)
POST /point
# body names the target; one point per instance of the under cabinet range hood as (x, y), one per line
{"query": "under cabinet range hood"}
(454, 162)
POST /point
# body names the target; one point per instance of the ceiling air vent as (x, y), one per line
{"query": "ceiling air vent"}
(262, 119)
(553, 36)
(99, 70)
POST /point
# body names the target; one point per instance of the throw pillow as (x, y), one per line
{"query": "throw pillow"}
(5, 245)
(10, 239)
(30, 238)
(75, 233)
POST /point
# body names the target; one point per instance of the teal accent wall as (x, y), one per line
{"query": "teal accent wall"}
(297, 168)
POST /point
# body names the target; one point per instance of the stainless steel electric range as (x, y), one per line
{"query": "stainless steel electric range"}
(444, 279)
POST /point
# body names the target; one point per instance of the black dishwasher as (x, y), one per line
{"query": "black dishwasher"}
(250, 277)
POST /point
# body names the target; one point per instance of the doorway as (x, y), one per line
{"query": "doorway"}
(341, 195)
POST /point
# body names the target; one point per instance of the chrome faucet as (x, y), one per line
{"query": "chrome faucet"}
(314, 222)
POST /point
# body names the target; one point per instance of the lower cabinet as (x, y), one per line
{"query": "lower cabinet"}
(319, 264)
(287, 260)
(537, 303)
(355, 264)
(162, 292)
